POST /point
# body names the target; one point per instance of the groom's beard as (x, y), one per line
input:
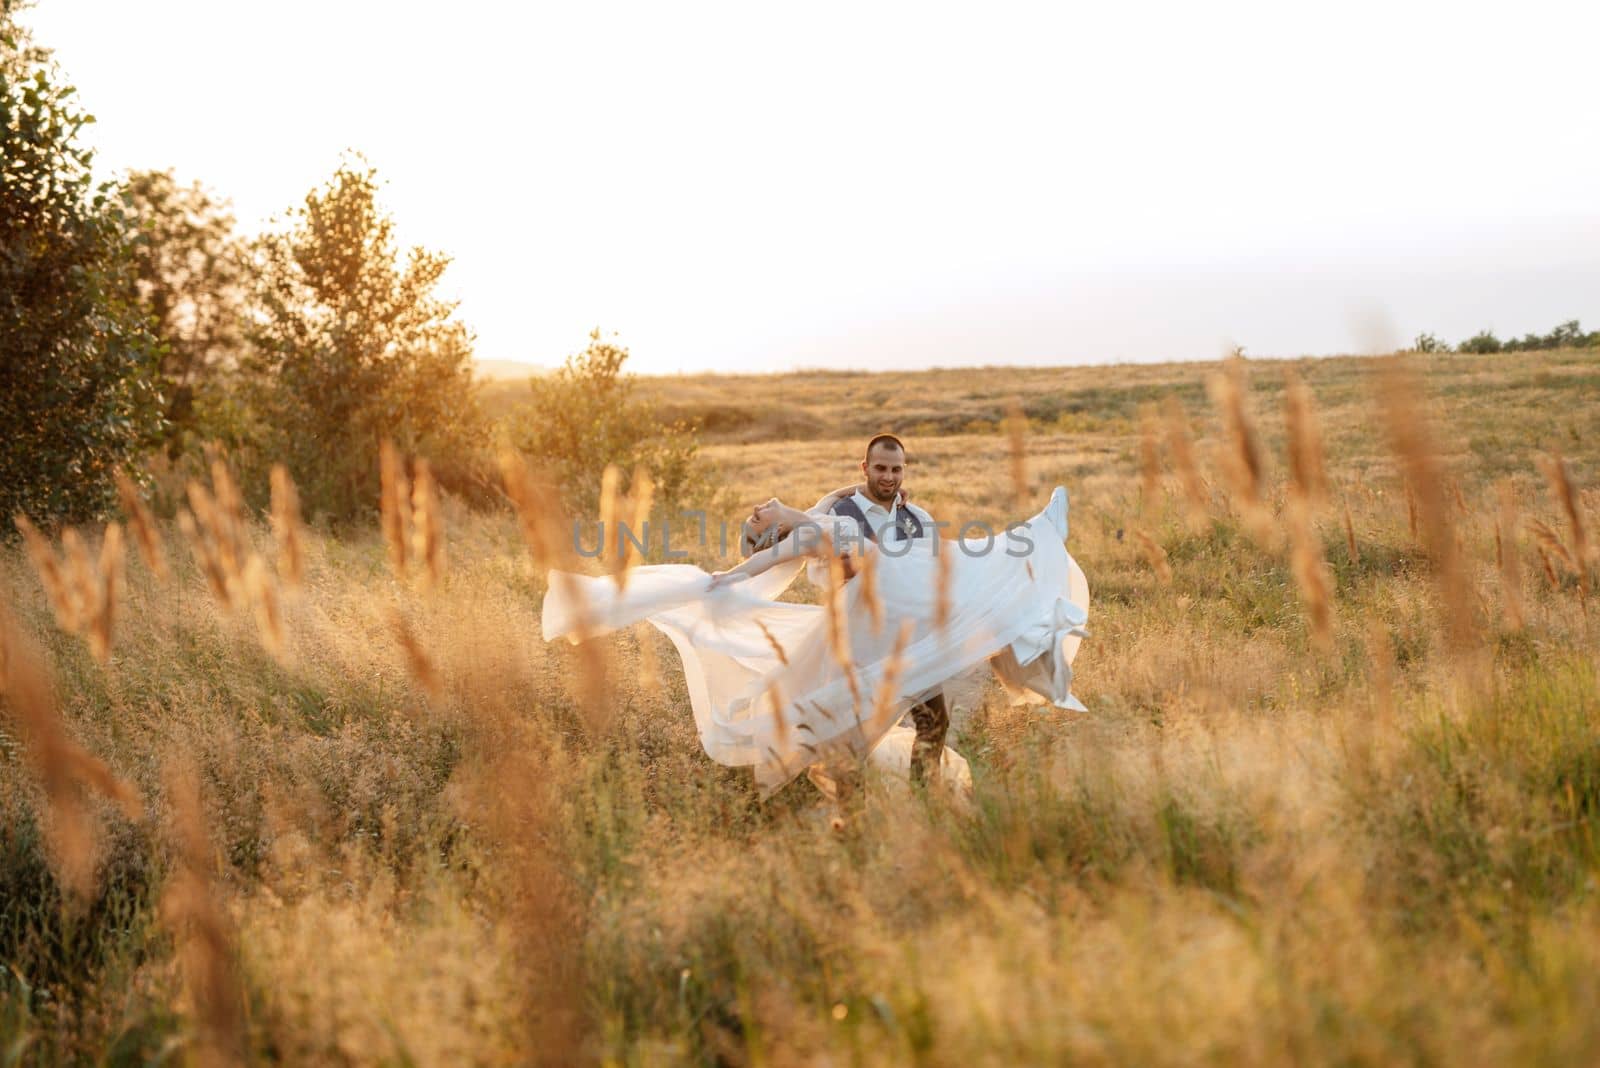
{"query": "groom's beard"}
(880, 497)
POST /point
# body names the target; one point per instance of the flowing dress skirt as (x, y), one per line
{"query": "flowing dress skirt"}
(765, 677)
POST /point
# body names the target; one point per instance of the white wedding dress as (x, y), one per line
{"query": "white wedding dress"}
(1022, 611)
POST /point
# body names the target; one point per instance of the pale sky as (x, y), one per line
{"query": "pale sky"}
(761, 186)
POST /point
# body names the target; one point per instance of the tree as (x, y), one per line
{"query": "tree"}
(78, 391)
(189, 276)
(1567, 335)
(352, 347)
(585, 416)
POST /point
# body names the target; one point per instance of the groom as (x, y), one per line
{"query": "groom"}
(883, 515)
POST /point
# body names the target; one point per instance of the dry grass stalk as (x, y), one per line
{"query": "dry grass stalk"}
(517, 800)
(1350, 535)
(544, 530)
(641, 497)
(146, 535)
(649, 662)
(83, 585)
(610, 517)
(206, 943)
(394, 495)
(1242, 460)
(269, 618)
(230, 502)
(1566, 495)
(205, 558)
(539, 514)
(887, 697)
(1180, 444)
(61, 765)
(1310, 571)
(1149, 457)
(1411, 512)
(427, 525)
(51, 574)
(83, 591)
(1551, 542)
(216, 537)
(867, 577)
(288, 529)
(837, 620)
(838, 624)
(945, 561)
(220, 513)
(1550, 577)
(1016, 429)
(1506, 556)
(1307, 471)
(772, 640)
(109, 587)
(1155, 556)
(1405, 421)
(780, 722)
(418, 662)
(1380, 660)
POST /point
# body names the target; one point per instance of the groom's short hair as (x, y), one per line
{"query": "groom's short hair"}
(879, 439)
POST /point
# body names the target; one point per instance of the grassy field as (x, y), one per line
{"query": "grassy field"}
(1256, 848)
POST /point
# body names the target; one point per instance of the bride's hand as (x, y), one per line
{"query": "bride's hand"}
(721, 579)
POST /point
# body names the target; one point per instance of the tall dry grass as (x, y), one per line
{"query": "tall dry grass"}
(1252, 850)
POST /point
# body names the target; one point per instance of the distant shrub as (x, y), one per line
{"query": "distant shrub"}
(585, 416)
(1568, 335)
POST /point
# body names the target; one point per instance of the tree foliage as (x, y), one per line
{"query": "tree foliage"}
(353, 346)
(585, 416)
(1567, 335)
(78, 390)
(189, 275)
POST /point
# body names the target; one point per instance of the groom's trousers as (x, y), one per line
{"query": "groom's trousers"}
(932, 721)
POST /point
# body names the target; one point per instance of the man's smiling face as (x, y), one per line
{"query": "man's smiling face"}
(884, 468)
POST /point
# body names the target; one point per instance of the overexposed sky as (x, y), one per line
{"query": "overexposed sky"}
(759, 186)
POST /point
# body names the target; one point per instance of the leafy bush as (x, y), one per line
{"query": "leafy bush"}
(78, 393)
(1568, 335)
(352, 346)
(1482, 343)
(585, 416)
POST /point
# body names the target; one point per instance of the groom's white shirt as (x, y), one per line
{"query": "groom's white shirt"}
(880, 517)
(881, 520)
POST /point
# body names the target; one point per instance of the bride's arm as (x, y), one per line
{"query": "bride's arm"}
(805, 538)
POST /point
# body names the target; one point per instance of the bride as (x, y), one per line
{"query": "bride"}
(784, 687)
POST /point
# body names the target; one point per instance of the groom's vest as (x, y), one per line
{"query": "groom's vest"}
(904, 519)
